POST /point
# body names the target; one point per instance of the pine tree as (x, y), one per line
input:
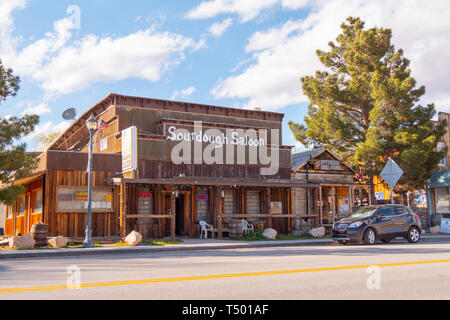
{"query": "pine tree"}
(364, 107)
(15, 163)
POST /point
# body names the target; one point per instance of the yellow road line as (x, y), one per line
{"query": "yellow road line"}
(219, 276)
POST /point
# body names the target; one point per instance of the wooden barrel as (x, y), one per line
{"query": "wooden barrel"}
(39, 233)
(235, 229)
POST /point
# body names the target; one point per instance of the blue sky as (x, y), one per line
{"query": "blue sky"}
(244, 54)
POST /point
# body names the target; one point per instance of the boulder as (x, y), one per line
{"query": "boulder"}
(435, 230)
(58, 242)
(317, 232)
(270, 233)
(134, 238)
(24, 242)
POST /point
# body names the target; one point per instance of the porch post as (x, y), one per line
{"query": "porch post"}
(333, 203)
(173, 213)
(429, 205)
(350, 199)
(320, 207)
(123, 209)
(269, 201)
(218, 196)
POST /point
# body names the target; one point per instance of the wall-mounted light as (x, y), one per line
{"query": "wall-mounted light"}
(222, 194)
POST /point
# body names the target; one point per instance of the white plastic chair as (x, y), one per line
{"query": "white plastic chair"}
(205, 228)
(247, 227)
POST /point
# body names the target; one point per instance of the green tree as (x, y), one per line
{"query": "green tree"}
(15, 163)
(364, 107)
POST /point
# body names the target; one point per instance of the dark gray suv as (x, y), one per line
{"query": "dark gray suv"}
(372, 223)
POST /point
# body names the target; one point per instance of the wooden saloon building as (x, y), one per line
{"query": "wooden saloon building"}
(160, 167)
(334, 194)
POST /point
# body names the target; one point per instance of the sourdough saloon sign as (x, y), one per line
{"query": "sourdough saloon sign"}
(227, 146)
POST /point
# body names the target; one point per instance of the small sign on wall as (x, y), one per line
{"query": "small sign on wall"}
(74, 199)
(129, 149)
(202, 197)
(445, 225)
(145, 195)
(276, 207)
(81, 196)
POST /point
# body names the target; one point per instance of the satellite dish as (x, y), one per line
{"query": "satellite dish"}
(69, 114)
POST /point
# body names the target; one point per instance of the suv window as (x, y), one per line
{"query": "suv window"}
(398, 211)
(386, 212)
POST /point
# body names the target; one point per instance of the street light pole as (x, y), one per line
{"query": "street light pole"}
(91, 125)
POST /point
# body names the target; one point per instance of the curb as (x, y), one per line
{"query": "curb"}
(182, 248)
(134, 250)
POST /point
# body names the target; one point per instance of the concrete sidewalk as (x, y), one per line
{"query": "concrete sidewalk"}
(187, 245)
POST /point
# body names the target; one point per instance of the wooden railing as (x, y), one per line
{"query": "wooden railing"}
(172, 218)
(269, 216)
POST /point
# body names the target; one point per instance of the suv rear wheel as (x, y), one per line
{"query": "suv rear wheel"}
(370, 236)
(413, 235)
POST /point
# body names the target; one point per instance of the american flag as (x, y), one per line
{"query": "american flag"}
(360, 176)
(101, 126)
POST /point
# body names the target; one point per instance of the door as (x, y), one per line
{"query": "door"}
(401, 216)
(384, 221)
(180, 205)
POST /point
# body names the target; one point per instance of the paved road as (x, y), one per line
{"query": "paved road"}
(406, 271)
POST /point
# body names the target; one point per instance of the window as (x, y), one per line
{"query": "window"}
(230, 204)
(37, 201)
(253, 202)
(9, 212)
(75, 199)
(398, 211)
(440, 146)
(21, 203)
(145, 201)
(442, 200)
(103, 144)
(202, 199)
(386, 212)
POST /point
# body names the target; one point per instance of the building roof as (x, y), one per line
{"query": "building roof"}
(439, 179)
(78, 128)
(300, 159)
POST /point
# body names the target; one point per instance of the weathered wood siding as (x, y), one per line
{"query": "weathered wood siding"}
(166, 169)
(22, 223)
(73, 224)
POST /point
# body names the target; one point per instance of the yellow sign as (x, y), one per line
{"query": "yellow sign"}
(380, 188)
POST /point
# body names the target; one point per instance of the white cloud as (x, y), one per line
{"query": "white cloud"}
(280, 56)
(218, 28)
(273, 37)
(183, 93)
(7, 25)
(40, 109)
(48, 127)
(63, 66)
(247, 10)
(142, 55)
(240, 64)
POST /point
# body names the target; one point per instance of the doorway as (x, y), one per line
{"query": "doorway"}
(180, 206)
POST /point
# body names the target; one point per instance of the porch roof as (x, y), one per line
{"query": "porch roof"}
(439, 179)
(195, 181)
